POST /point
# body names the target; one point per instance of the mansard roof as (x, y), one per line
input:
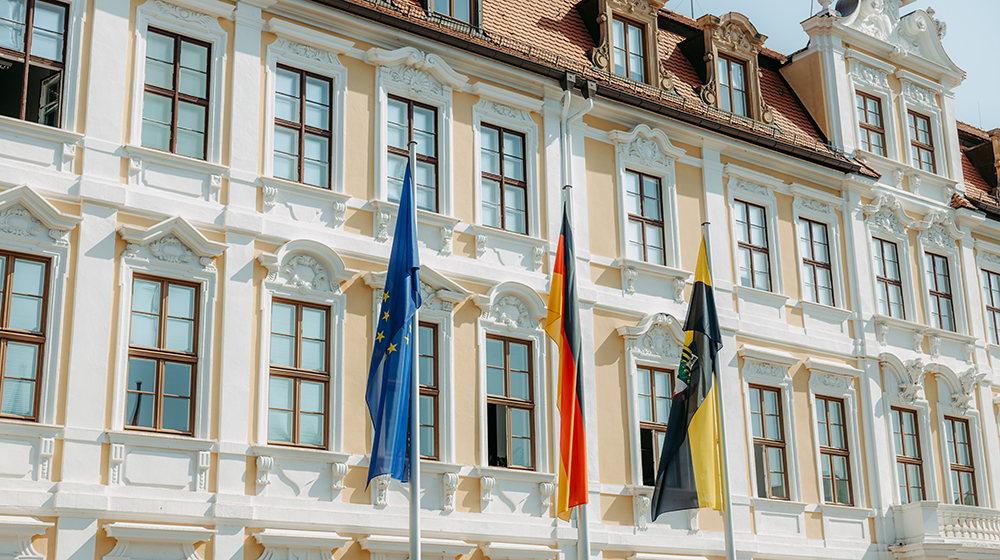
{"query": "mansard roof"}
(549, 37)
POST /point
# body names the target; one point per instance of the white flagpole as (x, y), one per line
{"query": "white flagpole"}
(414, 394)
(727, 498)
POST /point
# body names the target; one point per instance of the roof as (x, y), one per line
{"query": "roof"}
(966, 128)
(550, 36)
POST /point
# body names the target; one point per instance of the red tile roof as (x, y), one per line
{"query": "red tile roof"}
(973, 131)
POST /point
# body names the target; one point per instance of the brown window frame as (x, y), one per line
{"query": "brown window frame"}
(433, 391)
(626, 24)
(765, 250)
(645, 220)
(907, 460)
(827, 453)
(817, 264)
(991, 284)
(17, 335)
(883, 282)
(730, 61)
(473, 10)
(938, 295)
(297, 374)
(959, 467)
(175, 94)
(767, 443)
(657, 425)
(507, 181)
(866, 128)
(510, 403)
(161, 355)
(421, 158)
(302, 128)
(27, 58)
(920, 147)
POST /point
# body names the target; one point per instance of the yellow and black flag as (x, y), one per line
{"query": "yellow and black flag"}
(690, 474)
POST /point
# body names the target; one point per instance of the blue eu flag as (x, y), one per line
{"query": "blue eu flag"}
(388, 393)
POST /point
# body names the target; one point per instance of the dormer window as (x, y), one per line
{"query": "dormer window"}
(629, 44)
(870, 120)
(733, 86)
(462, 10)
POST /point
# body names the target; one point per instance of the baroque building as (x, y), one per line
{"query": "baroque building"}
(196, 206)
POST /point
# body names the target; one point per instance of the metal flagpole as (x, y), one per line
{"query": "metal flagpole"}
(414, 393)
(727, 498)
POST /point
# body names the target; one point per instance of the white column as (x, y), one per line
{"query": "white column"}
(973, 297)
(859, 276)
(228, 542)
(716, 212)
(991, 435)
(92, 328)
(76, 538)
(106, 88)
(238, 367)
(952, 146)
(837, 91)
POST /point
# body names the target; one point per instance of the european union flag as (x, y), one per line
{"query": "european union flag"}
(388, 393)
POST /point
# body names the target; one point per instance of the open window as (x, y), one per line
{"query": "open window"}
(32, 59)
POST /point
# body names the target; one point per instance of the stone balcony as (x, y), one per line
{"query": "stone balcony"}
(935, 530)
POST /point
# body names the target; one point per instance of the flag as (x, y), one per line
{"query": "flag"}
(563, 326)
(690, 475)
(388, 395)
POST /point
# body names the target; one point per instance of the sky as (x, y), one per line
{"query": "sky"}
(968, 43)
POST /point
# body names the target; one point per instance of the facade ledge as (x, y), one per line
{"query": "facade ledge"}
(29, 429)
(300, 539)
(650, 556)
(384, 210)
(501, 473)
(150, 532)
(933, 522)
(439, 467)
(785, 506)
(18, 525)
(298, 188)
(511, 551)
(162, 441)
(768, 355)
(825, 311)
(511, 237)
(827, 366)
(39, 131)
(319, 455)
(950, 335)
(631, 269)
(393, 545)
(173, 160)
(843, 511)
(763, 304)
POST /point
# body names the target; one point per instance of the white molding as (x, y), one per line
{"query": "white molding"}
(885, 219)
(507, 97)
(385, 547)
(676, 279)
(938, 235)
(287, 544)
(147, 541)
(961, 388)
(69, 140)
(920, 95)
(16, 534)
(510, 551)
(822, 210)
(870, 76)
(756, 188)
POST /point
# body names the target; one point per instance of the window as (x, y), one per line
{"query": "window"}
(816, 270)
(909, 465)
(655, 388)
(629, 44)
(175, 98)
(505, 192)
(834, 455)
(963, 474)
(429, 392)
(412, 121)
(870, 120)
(162, 355)
(645, 218)
(939, 287)
(32, 59)
(768, 442)
(733, 86)
(509, 402)
(991, 295)
(462, 10)
(300, 372)
(302, 127)
(23, 289)
(752, 251)
(921, 143)
(888, 280)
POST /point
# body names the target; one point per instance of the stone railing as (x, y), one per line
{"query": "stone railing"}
(931, 522)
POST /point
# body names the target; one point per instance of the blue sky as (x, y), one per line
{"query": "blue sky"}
(968, 41)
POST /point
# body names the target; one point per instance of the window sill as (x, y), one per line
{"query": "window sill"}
(173, 160)
(307, 454)
(488, 237)
(825, 311)
(825, 319)
(385, 223)
(28, 428)
(162, 441)
(301, 201)
(949, 335)
(183, 175)
(784, 506)
(298, 188)
(514, 475)
(631, 269)
(61, 157)
(846, 512)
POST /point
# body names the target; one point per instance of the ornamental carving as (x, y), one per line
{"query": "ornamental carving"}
(641, 7)
(183, 14)
(815, 205)
(937, 236)
(965, 399)
(918, 95)
(305, 273)
(418, 82)
(428, 297)
(449, 484)
(878, 18)
(170, 249)
(506, 111)
(657, 342)
(512, 313)
(991, 258)
(869, 76)
(642, 503)
(307, 52)
(735, 38)
(764, 369)
(380, 490)
(647, 151)
(631, 274)
(381, 225)
(884, 215)
(912, 387)
(747, 186)
(834, 381)
(18, 221)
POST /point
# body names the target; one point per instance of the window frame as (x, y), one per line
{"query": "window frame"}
(204, 29)
(886, 220)
(885, 281)
(29, 337)
(894, 375)
(906, 459)
(626, 23)
(989, 267)
(730, 62)
(421, 158)
(768, 443)
(512, 403)
(475, 11)
(835, 381)
(43, 62)
(160, 355)
(657, 425)
(971, 468)
(869, 75)
(817, 207)
(645, 221)
(868, 130)
(827, 451)
(766, 251)
(299, 374)
(938, 235)
(919, 95)
(433, 391)
(504, 180)
(301, 128)
(934, 292)
(917, 144)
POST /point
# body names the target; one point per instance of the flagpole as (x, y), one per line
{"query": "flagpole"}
(727, 498)
(414, 392)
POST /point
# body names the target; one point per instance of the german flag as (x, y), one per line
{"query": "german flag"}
(690, 474)
(563, 326)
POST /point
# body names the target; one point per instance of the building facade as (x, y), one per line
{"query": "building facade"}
(196, 206)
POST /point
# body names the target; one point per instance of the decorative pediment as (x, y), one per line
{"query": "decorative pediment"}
(307, 267)
(659, 336)
(732, 35)
(416, 71)
(827, 375)
(964, 398)
(765, 364)
(919, 95)
(26, 214)
(16, 534)
(647, 146)
(437, 292)
(172, 241)
(201, 13)
(886, 215)
(284, 544)
(938, 231)
(512, 305)
(870, 76)
(505, 104)
(147, 541)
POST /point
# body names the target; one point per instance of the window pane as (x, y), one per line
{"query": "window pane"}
(311, 397)
(12, 18)
(144, 329)
(18, 395)
(317, 91)
(282, 350)
(645, 408)
(491, 203)
(180, 335)
(26, 313)
(314, 355)
(313, 323)
(141, 375)
(21, 360)
(282, 318)
(519, 385)
(176, 413)
(281, 393)
(462, 11)
(442, 7)
(139, 410)
(155, 135)
(279, 425)
(193, 82)
(311, 429)
(177, 379)
(286, 95)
